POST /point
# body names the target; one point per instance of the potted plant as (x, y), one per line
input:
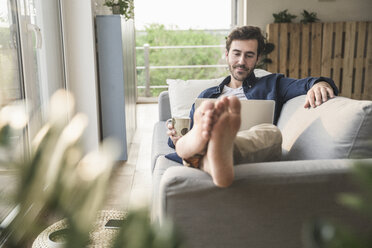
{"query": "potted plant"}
(265, 60)
(121, 7)
(308, 17)
(283, 17)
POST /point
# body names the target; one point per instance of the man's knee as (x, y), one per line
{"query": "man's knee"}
(265, 134)
(258, 144)
(269, 132)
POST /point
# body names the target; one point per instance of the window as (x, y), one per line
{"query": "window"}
(31, 66)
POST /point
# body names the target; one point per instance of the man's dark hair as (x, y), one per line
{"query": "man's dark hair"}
(247, 33)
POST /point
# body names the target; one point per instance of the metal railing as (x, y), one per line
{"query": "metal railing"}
(147, 67)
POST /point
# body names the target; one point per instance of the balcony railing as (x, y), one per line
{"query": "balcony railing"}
(147, 67)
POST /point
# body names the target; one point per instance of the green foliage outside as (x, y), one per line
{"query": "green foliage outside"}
(8, 68)
(158, 35)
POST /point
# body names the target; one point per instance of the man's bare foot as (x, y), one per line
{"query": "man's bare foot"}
(196, 140)
(219, 159)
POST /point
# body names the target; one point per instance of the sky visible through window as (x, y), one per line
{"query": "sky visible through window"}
(183, 14)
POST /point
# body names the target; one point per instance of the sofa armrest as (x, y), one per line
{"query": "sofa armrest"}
(159, 143)
(339, 128)
(274, 199)
(164, 106)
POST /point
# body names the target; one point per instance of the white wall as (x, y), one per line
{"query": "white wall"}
(259, 12)
(80, 63)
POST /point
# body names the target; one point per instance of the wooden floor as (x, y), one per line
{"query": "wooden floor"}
(131, 184)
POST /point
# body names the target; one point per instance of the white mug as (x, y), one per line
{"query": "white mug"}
(180, 124)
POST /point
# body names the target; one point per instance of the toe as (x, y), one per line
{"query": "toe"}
(234, 104)
(207, 105)
(221, 105)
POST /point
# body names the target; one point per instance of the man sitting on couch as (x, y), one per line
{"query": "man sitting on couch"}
(214, 143)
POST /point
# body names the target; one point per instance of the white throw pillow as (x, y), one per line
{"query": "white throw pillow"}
(182, 93)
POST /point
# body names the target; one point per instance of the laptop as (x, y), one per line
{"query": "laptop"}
(253, 112)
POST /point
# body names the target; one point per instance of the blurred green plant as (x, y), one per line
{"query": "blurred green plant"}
(308, 17)
(327, 234)
(57, 178)
(283, 17)
(150, 235)
(122, 7)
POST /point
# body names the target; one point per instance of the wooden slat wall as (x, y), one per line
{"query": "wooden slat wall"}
(337, 58)
(340, 50)
(367, 89)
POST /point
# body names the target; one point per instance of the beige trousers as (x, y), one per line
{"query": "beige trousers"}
(261, 143)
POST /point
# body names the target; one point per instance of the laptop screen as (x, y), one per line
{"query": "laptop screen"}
(253, 112)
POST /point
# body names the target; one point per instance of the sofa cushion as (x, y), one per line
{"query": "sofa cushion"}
(339, 128)
(182, 94)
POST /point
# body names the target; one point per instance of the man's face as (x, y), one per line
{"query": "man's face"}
(242, 58)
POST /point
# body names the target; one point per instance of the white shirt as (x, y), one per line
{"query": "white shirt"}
(238, 92)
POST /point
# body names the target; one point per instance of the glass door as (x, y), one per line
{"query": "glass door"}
(42, 56)
(10, 78)
(31, 68)
(31, 44)
(11, 89)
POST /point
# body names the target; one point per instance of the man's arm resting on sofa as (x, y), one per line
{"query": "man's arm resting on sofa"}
(318, 94)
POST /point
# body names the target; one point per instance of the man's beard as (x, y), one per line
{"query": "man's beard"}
(238, 76)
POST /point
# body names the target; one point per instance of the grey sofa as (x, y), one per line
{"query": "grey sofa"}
(269, 204)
